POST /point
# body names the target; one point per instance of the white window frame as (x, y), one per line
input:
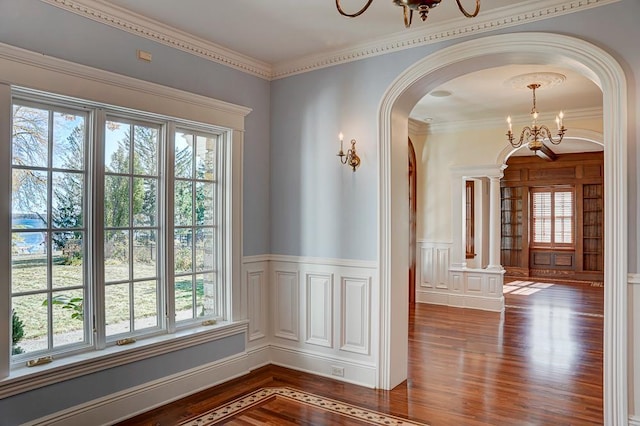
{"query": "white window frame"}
(41, 74)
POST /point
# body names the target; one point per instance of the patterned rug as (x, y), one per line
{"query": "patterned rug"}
(242, 404)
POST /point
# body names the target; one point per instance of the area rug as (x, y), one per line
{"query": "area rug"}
(261, 396)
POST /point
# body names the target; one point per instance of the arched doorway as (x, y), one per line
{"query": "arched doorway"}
(524, 48)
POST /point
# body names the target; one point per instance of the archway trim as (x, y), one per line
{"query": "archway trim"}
(445, 64)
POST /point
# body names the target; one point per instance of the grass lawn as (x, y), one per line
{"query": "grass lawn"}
(29, 286)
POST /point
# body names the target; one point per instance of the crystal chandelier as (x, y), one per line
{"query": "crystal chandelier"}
(409, 6)
(535, 134)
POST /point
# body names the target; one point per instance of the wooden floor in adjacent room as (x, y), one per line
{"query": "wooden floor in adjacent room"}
(539, 363)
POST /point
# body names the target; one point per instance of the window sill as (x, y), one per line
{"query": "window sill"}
(23, 379)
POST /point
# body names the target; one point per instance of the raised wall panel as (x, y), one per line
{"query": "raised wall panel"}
(456, 282)
(256, 305)
(557, 173)
(541, 259)
(442, 267)
(286, 314)
(428, 267)
(355, 314)
(493, 286)
(319, 302)
(474, 284)
(564, 259)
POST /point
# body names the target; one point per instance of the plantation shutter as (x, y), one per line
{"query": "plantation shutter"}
(541, 214)
(563, 217)
(552, 216)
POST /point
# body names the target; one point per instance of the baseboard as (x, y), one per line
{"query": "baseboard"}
(259, 356)
(634, 421)
(432, 298)
(122, 405)
(362, 374)
(461, 301)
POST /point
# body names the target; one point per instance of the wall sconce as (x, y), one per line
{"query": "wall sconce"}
(350, 158)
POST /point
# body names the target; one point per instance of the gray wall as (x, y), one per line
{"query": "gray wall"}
(298, 200)
(37, 26)
(50, 399)
(320, 208)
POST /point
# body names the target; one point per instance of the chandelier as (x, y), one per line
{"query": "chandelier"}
(409, 6)
(535, 134)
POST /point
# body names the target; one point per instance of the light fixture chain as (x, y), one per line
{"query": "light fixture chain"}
(467, 14)
(350, 15)
(409, 6)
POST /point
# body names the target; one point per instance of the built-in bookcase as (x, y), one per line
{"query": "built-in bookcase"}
(592, 228)
(582, 174)
(512, 226)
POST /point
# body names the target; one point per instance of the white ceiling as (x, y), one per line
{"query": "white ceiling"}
(277, 31)
(282, 31)
(486, 93)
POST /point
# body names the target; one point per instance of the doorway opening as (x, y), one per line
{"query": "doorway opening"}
(456, 60)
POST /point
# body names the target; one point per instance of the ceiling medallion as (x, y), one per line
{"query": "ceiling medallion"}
(409, 6)
(544, 80)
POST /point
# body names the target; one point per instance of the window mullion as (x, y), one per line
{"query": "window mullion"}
(96, 229)
(48, 232)
(167, 221)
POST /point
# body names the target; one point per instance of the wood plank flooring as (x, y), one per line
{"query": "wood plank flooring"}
(538, 363)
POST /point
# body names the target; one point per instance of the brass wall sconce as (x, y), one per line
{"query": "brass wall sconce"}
(350, 158)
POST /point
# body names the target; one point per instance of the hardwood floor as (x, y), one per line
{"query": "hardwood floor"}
(538, 363)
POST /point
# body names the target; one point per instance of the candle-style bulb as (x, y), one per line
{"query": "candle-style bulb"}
(340, 136)
(509, 122)
(558, 122)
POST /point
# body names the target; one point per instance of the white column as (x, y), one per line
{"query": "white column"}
(494, 224)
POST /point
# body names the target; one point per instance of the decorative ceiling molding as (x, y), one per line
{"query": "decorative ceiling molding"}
(498, 122)
(418, 127)
(139, 25)
(142, 26)
(460, 27)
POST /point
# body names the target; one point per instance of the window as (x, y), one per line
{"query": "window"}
(49, 272)
(469, 219)
(194, 225)
(552, 217)
(116, 225)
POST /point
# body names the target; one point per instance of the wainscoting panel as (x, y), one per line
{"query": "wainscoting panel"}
(474, 284)
(433, 265)
(428, 271)
(319, 300)
(442, 267)
(494, 288)
(332, 302)
(256, 293)
(255, 305)
(355, 319)
(442, 284)
(286, 312)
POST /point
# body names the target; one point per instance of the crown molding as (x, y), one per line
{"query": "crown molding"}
(497, 122)
(504, 17)
(418, 127)
(142, 26)
(123, 19)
